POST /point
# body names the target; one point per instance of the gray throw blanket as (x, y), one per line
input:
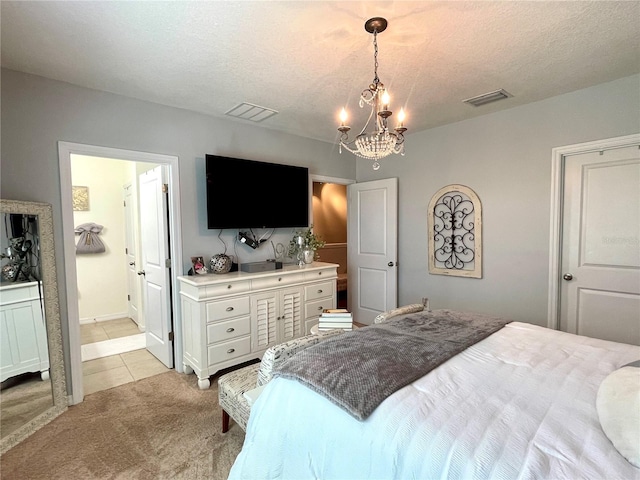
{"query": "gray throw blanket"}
(359, 369)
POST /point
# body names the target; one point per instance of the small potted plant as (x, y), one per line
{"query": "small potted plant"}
(304, 244)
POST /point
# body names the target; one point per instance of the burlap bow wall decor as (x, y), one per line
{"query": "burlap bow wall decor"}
(89, 242)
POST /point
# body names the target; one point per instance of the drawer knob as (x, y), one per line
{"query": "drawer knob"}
(231, 350)
(228, 286)
(279, 279)
(320, 307)
(230, 329)
(229, 309)
(319, 291)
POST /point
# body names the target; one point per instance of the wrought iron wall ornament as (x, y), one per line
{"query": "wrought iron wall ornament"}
(454, 227)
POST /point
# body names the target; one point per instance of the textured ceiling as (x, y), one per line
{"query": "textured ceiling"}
(306, 59)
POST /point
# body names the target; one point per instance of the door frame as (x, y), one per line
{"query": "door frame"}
(65, 150)
(558, 158)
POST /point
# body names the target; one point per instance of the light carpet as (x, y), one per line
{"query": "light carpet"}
(161, 427)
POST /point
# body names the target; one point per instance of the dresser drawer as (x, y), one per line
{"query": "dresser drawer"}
(320, 274)
(314, 309)
(318, 290)
(276, 281)
(233, 307)
(227, 288)
(227, 330)
(16, 292)
(221, 352)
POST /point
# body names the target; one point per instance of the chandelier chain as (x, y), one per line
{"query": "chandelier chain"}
(376, 80)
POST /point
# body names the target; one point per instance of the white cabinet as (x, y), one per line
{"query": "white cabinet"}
(23, 333)
(232, 318)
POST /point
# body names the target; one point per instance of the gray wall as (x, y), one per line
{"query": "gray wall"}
(38, 112)
(505, 158)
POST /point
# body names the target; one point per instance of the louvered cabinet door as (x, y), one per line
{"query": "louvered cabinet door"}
(290, 314)
(264, 315)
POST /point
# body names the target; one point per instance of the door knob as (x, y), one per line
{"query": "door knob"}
(141, 272)
(132, 263)
(567, 276)
(390, 264)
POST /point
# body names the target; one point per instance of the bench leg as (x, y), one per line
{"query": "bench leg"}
(225, 422)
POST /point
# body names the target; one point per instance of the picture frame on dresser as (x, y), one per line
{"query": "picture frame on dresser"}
(198, 266)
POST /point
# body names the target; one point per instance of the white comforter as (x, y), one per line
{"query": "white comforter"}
(519, 404)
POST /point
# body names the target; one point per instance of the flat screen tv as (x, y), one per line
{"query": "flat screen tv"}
(251, 194)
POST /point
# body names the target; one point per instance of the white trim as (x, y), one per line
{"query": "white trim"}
(335, 245)
(337, 180)
(65, 150)
(104, 318)
(558, 156)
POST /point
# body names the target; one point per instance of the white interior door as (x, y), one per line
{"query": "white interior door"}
(155, 265)
(372, 248)
(130, 253)
(600, 286)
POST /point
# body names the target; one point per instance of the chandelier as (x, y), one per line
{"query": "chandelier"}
(379, 143)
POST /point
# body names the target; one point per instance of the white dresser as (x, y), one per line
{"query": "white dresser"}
(23, 333)
(232, 318)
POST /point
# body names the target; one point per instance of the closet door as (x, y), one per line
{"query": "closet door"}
(600, 285)
(130, 253)
(372, 249)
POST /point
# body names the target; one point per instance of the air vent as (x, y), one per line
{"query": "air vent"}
(487, 98)
(249, 111)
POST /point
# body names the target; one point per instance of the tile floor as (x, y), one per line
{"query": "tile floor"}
(107, 372)
(100, 331)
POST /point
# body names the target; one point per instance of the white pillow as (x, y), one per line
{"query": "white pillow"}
(618, 405)
(252, 395)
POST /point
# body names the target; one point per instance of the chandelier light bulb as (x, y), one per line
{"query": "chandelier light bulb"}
(401, 117)
(385, 100)
(343, 117)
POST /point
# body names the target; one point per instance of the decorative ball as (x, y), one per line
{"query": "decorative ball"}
(220, 263)
(10, 271)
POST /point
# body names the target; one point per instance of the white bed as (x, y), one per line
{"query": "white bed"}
(518, 404)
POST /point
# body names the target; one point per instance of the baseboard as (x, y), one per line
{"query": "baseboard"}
(104, 318)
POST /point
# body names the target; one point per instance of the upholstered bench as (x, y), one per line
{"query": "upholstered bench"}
(238, 389)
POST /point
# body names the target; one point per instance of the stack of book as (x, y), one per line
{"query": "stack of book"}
(335, 318)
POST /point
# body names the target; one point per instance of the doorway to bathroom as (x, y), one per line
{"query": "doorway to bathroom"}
(112, 321)
(329, 219)
(159, 213)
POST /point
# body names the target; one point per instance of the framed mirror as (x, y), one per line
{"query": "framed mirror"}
(33, 388)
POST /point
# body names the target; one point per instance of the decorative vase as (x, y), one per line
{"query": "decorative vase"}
(309, 255)
(220, 263)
